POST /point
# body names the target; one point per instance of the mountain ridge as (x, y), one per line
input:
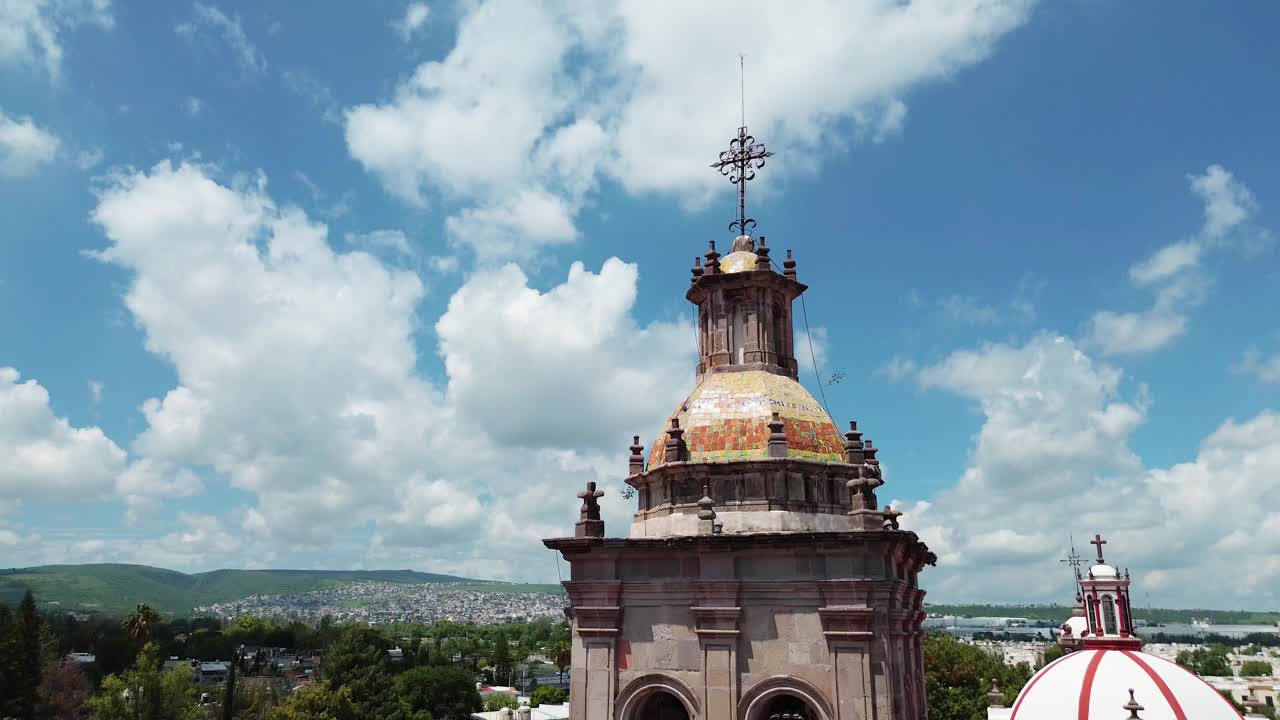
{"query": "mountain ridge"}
(114, 588)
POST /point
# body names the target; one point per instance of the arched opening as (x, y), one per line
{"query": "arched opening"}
(739, 334)
(788, 707)
(660, 705)
(1109, 615)
(1088, 603)
(779, 330)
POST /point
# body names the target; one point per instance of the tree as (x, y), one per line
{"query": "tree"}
(1206, 662)
(498, 700)
(316, 702)
(958, 677)
(502, 659)
(8, 661)
(447, 692)
(145, 692)
(1255, 668)
(63, 691)
(548, 695)
(561, 655)
(141, 623)
(25, 670)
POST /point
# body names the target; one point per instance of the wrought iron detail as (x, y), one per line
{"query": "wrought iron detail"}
(739, 163)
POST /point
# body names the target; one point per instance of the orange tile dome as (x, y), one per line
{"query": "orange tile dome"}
(727, 415)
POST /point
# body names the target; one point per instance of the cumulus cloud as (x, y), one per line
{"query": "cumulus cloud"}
(192, 106)
(393, 240)
(24, 146)
(569, 348)
(1175, 272)
(32, 32)
(209, 19)
(1053, 458)
(45, 454)
(298, 382)
(541, 100)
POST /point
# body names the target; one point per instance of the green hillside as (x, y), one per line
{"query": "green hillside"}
(115, 589)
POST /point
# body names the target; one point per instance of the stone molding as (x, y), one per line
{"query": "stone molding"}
(716, 622)
(634, 692)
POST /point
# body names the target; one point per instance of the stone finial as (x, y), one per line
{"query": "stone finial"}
(589, 523)
(697, 269)
(1133, 707)
(636, 465)
(777, 437)
(675, 449)
(523, 712)
(713, 260)
(891, 518)
(995, 698)
(789, 266)
(706, 513)
(762, 256)
(853, 445)
(504, 714)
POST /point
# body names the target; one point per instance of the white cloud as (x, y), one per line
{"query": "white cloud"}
(1053, 458)
(24, 146)
(1227, 202)
(1264, 368)
(304, 85)
(564, 350)
(297, 382)
(514, 228)
(32, 31)
(1175, 271)
(506, 114)
(898, 369)
(192, 106)
(811, 346)
(414, 19)
(394, 240)
(443, 264)
(229, 29)
(44, 454)
(95, 392)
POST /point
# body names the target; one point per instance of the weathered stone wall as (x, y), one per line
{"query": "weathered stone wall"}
(727, 625)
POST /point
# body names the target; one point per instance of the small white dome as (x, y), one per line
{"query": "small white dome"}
(1079, 626)
(1089, 684)
(1102, 571)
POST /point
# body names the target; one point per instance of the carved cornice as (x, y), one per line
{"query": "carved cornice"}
(847, 622)
(716, 622)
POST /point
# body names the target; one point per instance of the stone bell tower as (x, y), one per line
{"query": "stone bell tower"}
(761, 579)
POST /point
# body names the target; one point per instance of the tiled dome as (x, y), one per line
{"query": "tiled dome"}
(726, 418)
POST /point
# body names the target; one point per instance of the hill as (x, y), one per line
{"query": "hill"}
(115, 589)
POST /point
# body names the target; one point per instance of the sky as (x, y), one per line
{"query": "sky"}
(383, 285)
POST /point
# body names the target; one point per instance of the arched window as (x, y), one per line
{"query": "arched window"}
(1109, 615)
(704, 342)
(788, 707)
(1089, 613)
(661, 706)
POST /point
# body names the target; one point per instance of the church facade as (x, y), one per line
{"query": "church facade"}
(760, 578)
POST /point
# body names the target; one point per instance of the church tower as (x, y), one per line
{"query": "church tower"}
(761, 580)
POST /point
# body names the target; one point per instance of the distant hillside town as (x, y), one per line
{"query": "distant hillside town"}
(385, 602)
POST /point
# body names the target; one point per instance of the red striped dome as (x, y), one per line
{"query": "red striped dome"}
(1095, 683)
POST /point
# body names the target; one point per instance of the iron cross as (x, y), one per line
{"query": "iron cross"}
(739, 163)
(1073, 560)
(1097, 540)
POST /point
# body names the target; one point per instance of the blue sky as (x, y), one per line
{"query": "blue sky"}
(337, 288)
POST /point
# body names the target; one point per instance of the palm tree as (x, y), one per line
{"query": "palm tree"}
(561, 653)
(141, 622)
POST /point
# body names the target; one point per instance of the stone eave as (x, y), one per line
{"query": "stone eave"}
(746, 278)
(738, 540)
(745, 464)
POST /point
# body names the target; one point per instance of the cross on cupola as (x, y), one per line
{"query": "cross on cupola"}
(1099, 542)
(739, 163)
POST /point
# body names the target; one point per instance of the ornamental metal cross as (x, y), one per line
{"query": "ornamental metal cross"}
(1073, 559)
(739, 163)
(1097, 540)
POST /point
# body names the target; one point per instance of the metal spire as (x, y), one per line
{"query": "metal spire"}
(741, 160)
